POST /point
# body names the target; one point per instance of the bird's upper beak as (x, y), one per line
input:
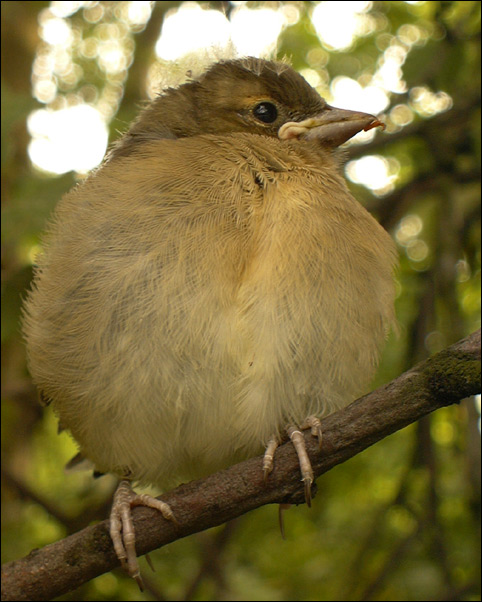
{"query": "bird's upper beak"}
(331, 127)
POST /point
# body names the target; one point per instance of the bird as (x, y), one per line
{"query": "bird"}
(212, 287)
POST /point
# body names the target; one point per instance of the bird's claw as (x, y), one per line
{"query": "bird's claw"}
(269, 456)
(122, 530)
(314, 423)
(298, 440)
(307, 484)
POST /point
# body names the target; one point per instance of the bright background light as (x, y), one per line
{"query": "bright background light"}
(52, 132)
(191, 28)
(339, 23)
(374, 172)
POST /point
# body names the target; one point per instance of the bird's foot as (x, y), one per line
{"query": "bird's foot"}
(296, 436)
(121, 527)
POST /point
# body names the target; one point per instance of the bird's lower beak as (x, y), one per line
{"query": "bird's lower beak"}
(331, 127)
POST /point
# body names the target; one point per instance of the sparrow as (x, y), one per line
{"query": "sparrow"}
(212, 287)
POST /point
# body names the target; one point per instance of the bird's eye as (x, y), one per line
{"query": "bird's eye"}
(265, 112)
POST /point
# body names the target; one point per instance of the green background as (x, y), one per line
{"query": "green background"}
(401, 521)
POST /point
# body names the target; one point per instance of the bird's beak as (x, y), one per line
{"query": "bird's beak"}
(331, 127)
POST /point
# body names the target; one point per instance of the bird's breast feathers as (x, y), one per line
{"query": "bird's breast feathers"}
(234, 300)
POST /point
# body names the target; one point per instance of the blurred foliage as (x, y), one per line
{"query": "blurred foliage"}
(401, 521)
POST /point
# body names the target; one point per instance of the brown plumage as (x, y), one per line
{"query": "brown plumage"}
(213, 282)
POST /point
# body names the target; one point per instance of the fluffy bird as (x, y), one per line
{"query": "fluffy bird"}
(212, 286)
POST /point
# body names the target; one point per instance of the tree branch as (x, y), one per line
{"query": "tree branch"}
(443, 379)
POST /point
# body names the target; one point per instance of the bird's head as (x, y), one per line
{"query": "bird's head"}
(246, 95)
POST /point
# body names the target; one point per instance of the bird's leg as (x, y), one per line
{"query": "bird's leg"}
(298, 441)
(296, 436)
(121, 527)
